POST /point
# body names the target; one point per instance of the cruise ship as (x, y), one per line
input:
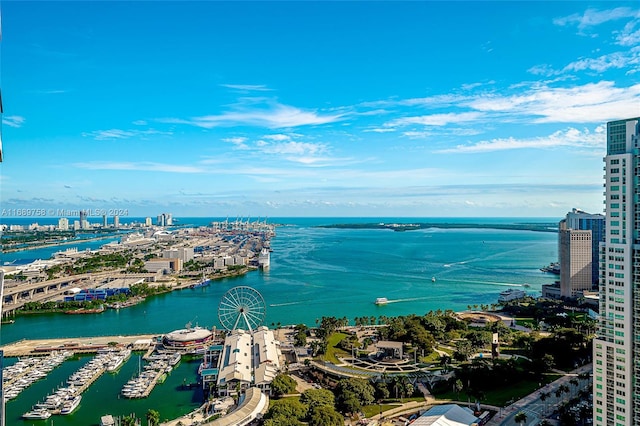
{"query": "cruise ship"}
(264, 258)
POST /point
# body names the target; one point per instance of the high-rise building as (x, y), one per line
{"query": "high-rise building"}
(574, 255)
(579, 219)
(116, 221)
(63, 224)
(579, 238)
(616, 349)
(104, 220)
(83, 219)
(147, 222)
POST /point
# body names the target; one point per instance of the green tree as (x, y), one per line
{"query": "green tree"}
(287, 408)
(521, 417)
(128, 421)
(314, 398)
(153, 417)
(353, 393)
(325, 416)
(283, 384)
(282, 421)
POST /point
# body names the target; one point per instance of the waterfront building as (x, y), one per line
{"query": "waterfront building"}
(579, 219)
(187, 338)
(104, 220)
(616, 348)
(63, 224)
(574, 254)
(84, 224)
(116, 222)
(165, 219)
(76, 225)
(248, 359)
(147, 222)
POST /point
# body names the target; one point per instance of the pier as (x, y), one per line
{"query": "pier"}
(42, 347)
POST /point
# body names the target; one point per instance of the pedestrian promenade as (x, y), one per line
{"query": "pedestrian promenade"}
(532, 405)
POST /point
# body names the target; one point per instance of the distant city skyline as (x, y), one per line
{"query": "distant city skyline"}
(283, 109)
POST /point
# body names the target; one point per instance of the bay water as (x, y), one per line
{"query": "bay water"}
(314, 272)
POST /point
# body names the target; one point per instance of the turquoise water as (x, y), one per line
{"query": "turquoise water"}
(319, 272)
(314, 272)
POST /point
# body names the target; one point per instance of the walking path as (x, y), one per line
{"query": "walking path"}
(533, 406)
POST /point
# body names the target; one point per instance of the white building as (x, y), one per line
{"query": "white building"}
(248, 359)
(616, 349)
(147, 222)
(183, 253)
(63, 224)
(447, 415)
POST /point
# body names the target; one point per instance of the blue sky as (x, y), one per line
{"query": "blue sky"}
(314, 108)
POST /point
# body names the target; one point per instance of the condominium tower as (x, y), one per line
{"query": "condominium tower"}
(616, 349)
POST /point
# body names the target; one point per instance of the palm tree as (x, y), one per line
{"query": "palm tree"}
(458, 387)
(521, 417)
(574, 384)
(558, 394)
(153, 417)
(543, 398)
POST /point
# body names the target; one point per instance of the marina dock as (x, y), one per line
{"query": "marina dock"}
(43, 347)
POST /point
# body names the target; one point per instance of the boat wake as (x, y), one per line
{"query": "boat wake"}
(284, 304)
(413, 299)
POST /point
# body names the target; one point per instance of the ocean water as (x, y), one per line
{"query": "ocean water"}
(314, 272)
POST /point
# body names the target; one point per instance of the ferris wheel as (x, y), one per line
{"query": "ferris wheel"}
(241, 307)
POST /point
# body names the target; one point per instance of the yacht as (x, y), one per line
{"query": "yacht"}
(37, 413)
(511, 294)
(381, 301)
(71, 404)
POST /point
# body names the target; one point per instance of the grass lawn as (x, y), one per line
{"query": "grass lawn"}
(500, 397)
(332, 351)
(524, 321)
(374, 409)
(432, 358)
(272, 400)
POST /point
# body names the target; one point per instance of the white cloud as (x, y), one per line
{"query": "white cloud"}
(436, 119)
(13, 121)
(294, 148)
(140, 123)
(275, 117)
(139, 166)
(589, 103)
(593, 17)
(112, 134)
(247, 87)
(629, 35)
(570, 137)
(278, 137)
(617, 60)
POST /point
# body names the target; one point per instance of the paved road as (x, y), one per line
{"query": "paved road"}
(533, 407)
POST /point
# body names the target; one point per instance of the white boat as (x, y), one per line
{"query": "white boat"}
(511, 294)
(433, 279)
(381, 301)
(71, 404)
(37, 413)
